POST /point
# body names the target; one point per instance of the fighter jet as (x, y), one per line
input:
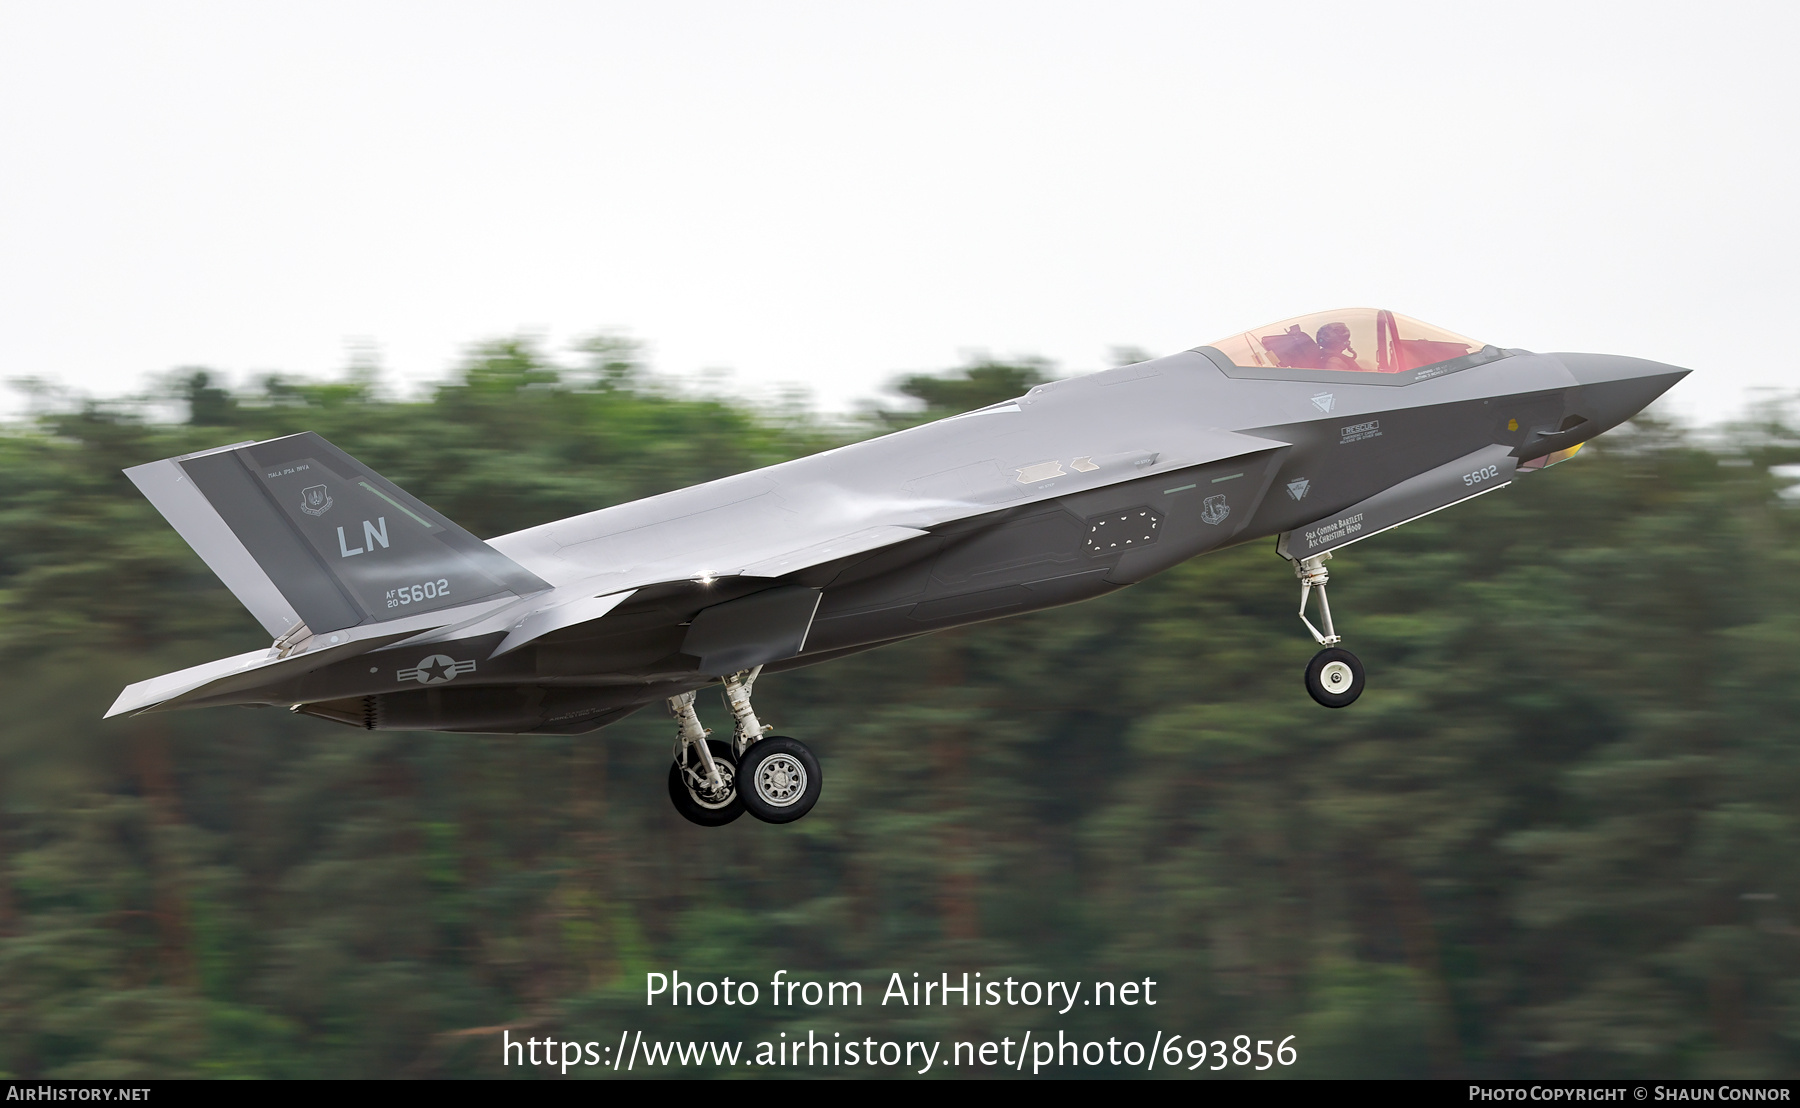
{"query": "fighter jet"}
(1319, 431)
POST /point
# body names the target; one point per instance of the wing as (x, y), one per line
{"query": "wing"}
(588, 600)
(779, 522)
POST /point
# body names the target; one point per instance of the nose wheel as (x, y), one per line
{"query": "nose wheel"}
(1334, 677)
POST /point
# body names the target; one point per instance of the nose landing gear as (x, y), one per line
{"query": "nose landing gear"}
(1334, 677)
(774, 778)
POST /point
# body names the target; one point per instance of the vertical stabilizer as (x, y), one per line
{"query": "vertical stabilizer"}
(302, 533)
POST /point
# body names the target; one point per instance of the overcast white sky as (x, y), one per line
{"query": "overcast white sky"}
(830, 193)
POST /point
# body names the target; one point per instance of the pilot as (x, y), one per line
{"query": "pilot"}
(1335, 351)
(1293, 349)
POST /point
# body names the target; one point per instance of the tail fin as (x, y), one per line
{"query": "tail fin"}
(302, 533)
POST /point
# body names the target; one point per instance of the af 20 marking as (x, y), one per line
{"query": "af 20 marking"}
(415, 594)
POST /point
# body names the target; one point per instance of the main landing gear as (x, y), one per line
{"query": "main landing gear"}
(1334, 677)
(774, 778)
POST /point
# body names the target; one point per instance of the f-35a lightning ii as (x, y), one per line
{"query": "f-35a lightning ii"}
(1320, 431)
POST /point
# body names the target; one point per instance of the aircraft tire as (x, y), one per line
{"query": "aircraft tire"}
(1334, 677)
(696, 809)
(781, 779)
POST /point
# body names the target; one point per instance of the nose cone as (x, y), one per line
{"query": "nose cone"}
(1613, 389)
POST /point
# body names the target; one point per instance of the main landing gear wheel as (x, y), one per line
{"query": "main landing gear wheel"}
(779, 779)
(1334, 677)
(694, 799)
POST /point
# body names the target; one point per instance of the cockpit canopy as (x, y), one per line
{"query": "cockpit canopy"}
(1354, 340)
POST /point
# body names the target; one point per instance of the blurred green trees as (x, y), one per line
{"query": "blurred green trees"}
(1556, 837)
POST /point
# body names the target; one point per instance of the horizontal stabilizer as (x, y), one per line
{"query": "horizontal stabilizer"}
(258, 668)
(156, 691)
(229, 675)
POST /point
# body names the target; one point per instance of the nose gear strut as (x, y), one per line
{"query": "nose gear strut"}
(1314, 575)
(1334, 677)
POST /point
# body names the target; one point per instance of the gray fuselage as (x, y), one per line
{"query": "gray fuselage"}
(1078, 488)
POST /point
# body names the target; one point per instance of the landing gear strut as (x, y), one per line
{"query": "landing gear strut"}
(703, 778)
(1334, 677)
(711, 783)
